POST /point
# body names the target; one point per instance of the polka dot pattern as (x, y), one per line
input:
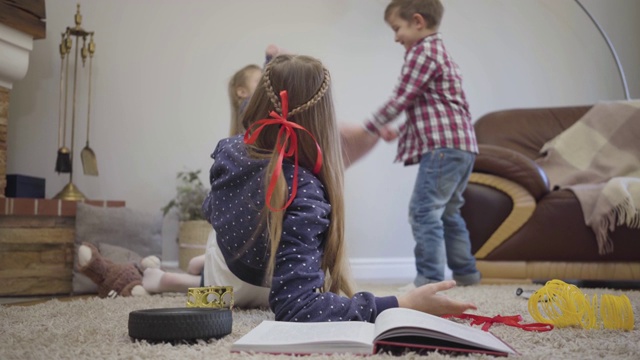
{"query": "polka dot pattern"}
(233, 208)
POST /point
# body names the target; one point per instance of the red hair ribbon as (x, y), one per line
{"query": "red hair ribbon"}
(514, 321)
(286, 146)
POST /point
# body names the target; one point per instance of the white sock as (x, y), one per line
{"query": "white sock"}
(151, 279)
(139, 291)
(150, 262)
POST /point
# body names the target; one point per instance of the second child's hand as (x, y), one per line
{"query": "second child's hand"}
(356, 142)
(388, 134)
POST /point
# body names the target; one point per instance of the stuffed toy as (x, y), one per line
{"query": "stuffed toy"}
(113, 279)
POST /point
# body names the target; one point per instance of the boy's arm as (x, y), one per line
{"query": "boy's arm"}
(417, 70)
(272, 51)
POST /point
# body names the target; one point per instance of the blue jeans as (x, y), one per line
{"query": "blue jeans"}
(438, 228)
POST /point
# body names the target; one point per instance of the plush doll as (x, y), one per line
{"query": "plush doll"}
(113, 279)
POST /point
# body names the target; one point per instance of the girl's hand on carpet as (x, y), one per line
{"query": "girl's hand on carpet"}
(426, 299)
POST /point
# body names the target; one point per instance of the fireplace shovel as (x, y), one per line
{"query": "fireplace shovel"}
(89, 162)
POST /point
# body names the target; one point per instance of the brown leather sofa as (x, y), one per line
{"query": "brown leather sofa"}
(522, 229)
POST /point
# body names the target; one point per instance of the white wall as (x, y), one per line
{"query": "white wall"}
(161, 68)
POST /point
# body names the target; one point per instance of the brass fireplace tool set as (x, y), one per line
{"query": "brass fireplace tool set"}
(64, 161)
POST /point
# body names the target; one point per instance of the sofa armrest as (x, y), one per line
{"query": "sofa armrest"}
(523, 206)
(509, 164)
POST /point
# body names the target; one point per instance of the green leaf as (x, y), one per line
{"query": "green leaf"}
(190, 194)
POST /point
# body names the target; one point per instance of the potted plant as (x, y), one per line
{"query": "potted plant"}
(194, 229)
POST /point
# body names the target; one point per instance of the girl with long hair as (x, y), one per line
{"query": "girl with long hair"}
(276, 205)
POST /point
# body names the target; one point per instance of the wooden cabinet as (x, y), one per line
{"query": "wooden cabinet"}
(37, 245)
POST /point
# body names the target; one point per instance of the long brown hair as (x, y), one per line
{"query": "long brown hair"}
(239, 79)
(307, 83)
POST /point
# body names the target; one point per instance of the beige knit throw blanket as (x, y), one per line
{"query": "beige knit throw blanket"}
(598, 158)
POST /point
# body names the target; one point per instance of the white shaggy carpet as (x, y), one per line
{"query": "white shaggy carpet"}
(97, 329)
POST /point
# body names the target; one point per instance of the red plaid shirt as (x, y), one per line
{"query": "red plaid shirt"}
(430, 92)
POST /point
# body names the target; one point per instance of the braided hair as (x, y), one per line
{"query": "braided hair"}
(307, 83)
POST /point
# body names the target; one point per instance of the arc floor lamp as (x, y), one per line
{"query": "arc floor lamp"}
(611, 49)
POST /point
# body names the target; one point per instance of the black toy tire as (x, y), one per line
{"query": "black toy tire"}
(179, 324)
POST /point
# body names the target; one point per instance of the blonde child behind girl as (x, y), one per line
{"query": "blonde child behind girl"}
(241, 86)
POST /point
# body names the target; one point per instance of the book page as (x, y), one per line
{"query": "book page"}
(406, 322)
(319, 337)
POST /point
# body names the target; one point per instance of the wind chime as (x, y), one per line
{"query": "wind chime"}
(64, 161)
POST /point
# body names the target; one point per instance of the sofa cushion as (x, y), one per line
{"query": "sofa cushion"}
(119, 254)
(513, 166)
(526, 130)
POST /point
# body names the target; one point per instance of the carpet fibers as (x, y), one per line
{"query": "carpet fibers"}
(96, 328)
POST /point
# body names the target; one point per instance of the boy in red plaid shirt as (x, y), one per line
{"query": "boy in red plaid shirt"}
(438, 135)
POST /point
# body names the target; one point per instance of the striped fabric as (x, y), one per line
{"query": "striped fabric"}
(598, 159)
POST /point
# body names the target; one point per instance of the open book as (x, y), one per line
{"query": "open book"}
(395, 331)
